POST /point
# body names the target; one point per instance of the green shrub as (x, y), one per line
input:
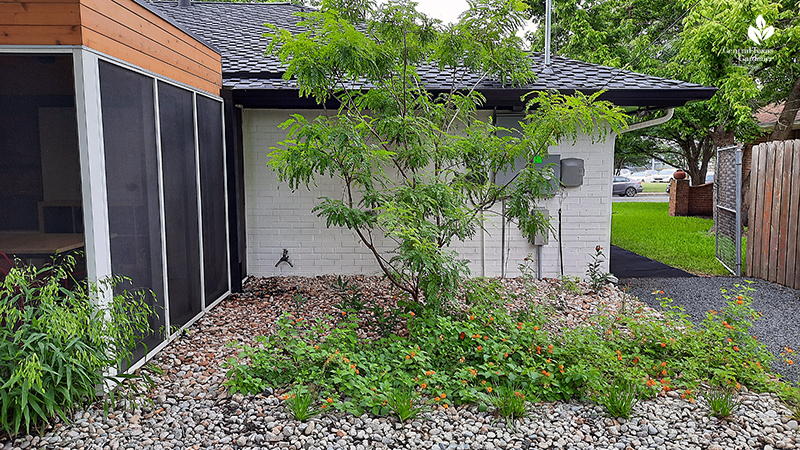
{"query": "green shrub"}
(56, 346)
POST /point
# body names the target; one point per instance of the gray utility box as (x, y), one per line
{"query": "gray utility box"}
(542, 238)
(572, 172)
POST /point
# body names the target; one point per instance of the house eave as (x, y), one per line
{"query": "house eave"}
(495, 98)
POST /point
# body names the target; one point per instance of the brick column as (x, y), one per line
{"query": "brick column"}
(679, 197)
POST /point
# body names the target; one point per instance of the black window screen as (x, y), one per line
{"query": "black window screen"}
(212, 189)
(129, 139)
(180, 202)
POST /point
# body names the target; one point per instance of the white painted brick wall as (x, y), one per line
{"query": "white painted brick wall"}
(278, 218)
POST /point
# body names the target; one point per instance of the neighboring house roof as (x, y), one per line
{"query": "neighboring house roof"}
(767, 116)
(237, 29)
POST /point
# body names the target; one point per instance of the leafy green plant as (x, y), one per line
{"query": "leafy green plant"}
(620, 399)
(405, 403)
(57, 344)
(385, 319)
(300, 401)
(790, 396)
(350, 294)
(722, 402)
(527, 268)
(299, 302)
(597, 278)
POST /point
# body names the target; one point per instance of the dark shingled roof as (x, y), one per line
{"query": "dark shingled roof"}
(236, 30)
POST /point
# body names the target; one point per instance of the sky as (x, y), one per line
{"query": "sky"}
(445, 10)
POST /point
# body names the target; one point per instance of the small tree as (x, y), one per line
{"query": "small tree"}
(417, 166)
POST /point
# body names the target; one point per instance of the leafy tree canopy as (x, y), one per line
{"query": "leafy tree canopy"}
(418, 167)
(701, 41)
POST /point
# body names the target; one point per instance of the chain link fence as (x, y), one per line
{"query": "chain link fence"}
(728, 208)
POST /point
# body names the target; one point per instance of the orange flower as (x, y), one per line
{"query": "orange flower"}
(619, 355)
(423, 385)
(486, 337)
(505, 355)
(483, 382)
(489, 389)
(664, 372)
(473, 371)
(324, 406)
(437, 399)
(550, 348)
(736, 348)
(471, 317)
(535, 328)
(412, 314)
(538, 350)
(443, 395)
(663, 344)
(729, 340)
(739, 297)
(352, 366)
(408, 357)
(330, 400)
(636, 359)
(650, 382)
(357, 371)
(519, 326)
(789, 361)
(545, 373)
(445, 406)
(316, 347)
(663, 364)
(461, 360)
(480, 348)
(739, 302)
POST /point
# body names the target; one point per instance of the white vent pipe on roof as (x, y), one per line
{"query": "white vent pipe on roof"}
(548, 6)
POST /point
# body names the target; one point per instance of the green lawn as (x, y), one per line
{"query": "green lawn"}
(682, 242)
(661, 188)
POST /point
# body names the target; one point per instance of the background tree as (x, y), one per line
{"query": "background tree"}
(417, 168)
(705, 42)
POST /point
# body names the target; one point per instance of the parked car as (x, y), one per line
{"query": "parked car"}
(643, 177)
(623, 186)
(663, 176)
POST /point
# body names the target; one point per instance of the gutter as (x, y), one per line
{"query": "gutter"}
(650, 123)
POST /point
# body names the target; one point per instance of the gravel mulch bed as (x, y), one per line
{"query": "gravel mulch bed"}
(778, 328)
(191, 409)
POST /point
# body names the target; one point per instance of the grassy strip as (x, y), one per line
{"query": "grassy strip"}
(660, 188)
(648, 230)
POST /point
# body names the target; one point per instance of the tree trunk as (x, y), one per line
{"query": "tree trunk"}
(783, 127)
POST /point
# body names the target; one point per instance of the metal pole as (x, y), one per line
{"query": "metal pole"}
(738, 210)
(547, 28)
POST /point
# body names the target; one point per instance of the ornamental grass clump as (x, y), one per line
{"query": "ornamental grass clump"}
(722, 402)
(300, 402)
(508, 402)
(620, 399)
(405, 403)
(58, 344)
